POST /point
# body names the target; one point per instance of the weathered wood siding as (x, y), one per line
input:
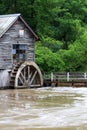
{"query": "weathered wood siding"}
(12, 37)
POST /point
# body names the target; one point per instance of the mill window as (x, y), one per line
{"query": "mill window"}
(21, 33)
(19, 52)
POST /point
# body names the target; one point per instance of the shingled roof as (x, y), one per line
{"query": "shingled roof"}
(6, 21)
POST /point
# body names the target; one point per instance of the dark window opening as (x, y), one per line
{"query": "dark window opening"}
(19, 52)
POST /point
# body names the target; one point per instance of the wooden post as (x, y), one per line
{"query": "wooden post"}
(51, 76)
(68, 76)
(85, 76)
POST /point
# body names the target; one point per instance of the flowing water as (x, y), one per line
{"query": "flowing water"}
(59, 108)
(4, 79)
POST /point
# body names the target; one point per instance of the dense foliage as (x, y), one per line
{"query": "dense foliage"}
(62, 28)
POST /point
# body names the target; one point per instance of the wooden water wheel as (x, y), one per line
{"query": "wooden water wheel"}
(26, 75)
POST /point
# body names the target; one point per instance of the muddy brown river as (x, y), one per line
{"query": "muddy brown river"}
(59, 108)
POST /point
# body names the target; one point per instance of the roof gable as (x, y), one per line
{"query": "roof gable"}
(6, 21)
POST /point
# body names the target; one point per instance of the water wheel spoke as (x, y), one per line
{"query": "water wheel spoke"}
(29, 75)
(28, 70)
(33, 77)
(25, 73)
(23, 76)
(21, 80)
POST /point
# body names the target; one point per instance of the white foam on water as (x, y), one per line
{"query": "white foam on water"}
(4, 79)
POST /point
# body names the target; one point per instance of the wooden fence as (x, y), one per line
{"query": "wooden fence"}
(65, 76)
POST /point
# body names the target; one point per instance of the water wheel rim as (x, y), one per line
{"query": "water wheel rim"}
(28, 83)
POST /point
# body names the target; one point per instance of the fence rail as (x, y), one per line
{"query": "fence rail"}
(65, 76)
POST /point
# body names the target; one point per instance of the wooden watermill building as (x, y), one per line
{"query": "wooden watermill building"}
(17, 43)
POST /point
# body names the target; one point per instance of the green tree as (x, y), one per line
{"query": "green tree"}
(62, 28)
(47, 60)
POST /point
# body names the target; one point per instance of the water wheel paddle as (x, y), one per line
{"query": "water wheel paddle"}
(26, 75)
